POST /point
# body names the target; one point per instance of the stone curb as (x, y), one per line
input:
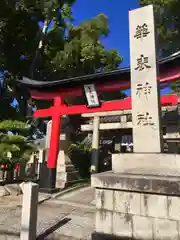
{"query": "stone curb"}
(44, 199)
(73, 204)
(39, 201)
(53, 196)
(59, 194)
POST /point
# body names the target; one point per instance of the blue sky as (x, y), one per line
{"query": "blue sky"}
(117, 12)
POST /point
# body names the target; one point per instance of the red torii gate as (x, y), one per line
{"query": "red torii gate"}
(105, 82)
(59, 109)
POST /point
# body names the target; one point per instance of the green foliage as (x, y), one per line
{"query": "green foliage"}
(13, 139)
(20, 36)
(167, 14)
(84, 148)
(77, 53)
(6, 147)
(10, 125)
(175, 86)
(20, 32)
(63, 51)
(15, 144)
(83, 52)
(80, 155)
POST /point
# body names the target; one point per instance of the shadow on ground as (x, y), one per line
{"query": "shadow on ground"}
(47, 234)
(50, 230)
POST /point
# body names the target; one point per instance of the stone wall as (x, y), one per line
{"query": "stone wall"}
(137, 215)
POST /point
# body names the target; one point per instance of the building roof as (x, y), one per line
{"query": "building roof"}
(165, 65)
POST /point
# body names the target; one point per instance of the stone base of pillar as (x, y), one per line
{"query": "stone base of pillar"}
(49, 190)
(47, 176)
(140, 199)
(47, 181)
(94, 161)
(66, 173)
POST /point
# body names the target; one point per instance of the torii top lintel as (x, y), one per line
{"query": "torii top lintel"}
(169, 70)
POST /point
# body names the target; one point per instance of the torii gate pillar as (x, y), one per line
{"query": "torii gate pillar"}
(48, 171)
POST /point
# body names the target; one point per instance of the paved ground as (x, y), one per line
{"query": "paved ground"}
(15, 201)
(69, 217)
(84, 196)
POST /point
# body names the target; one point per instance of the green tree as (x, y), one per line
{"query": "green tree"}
(84, 52)
(167, 14)
(21, 47)
(21, 39)
(64, 50)
(16, 144)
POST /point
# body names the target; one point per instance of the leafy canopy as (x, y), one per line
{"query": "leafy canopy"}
(64, 50)
(56, 52)
(83, 51)
(20, 36)
(14, 140)
(167, 14)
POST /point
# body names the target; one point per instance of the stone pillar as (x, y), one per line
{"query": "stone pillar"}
(146, 117)
(31, 167)
(48, 133)
(95, 146)
(178, 109)
(178, 95)
(66, 172)
(29, 211)
(140, 198)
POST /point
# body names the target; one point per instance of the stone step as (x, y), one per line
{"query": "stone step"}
(67, 176)
(157, 164)
(66, 168)
(63, 184)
